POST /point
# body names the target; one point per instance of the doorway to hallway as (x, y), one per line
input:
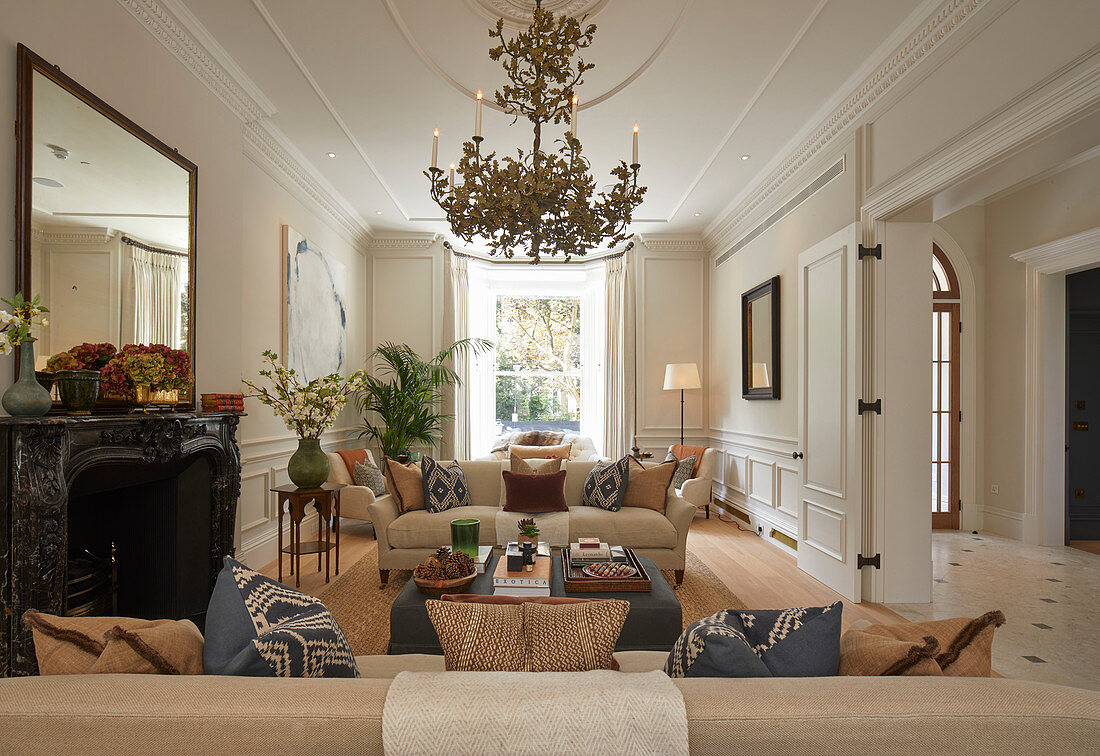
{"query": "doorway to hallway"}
(946, 392)
(1083, 409)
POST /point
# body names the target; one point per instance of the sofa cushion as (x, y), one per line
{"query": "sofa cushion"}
(684, 469)
(553, 527)
(635, 527)
(799, 642)
(605, 486)
(562, 451)
(534, 493)
(479, 637)
(422, 529)
(965, 644)
(444, 486)
(648, 486)
(870, 654)
(405, 483)
(258, 627)
(369, 476)
(575, 637)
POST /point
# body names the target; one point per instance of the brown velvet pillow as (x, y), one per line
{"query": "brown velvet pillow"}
(573, 638)
(87, 645)
(562, 451)
(479, 637)
(965, 644)
(648, 486)
(871, 655)
(534, 493)
(521, 466)
(406, 483)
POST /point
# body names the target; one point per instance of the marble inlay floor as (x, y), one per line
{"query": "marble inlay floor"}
(1049, 595)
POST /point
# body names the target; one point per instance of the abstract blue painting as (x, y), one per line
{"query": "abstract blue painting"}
(315, 309)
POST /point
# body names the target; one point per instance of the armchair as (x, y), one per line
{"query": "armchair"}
(354, 500)
(697, 490)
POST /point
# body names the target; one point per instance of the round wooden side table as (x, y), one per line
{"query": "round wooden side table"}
(326, 500)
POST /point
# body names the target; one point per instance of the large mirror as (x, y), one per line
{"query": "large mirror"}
(760, 341)
(105, 220)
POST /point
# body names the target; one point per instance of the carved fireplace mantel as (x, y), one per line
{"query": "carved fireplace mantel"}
(40, 458)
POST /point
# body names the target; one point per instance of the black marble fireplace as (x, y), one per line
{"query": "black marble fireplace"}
(149, 501)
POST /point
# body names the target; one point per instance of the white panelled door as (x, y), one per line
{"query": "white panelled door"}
(829, 428)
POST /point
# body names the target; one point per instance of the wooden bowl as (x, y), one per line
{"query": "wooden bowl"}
(439, 587)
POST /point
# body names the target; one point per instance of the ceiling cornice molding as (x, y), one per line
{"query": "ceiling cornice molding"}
(932, 34)
(404, 242)
(186, 38)
(1066, 254)
(57, 236)
(674, 242)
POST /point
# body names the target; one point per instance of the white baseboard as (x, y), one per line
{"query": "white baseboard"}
(761, 519)
(1003, 522)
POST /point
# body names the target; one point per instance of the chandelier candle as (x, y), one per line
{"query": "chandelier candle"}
(435, 149)
(542, 199)
(452, 179)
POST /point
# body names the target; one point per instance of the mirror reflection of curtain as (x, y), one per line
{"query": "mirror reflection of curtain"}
(158, 282)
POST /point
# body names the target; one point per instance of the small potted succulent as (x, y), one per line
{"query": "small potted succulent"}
(528, 532)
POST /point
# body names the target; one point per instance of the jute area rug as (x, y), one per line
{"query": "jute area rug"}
(363, 610)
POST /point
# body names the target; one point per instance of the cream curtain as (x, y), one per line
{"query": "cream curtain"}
(158, 283)
(619, 356)
(457, 326)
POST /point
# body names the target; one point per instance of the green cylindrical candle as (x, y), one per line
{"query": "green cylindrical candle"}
(464, 536)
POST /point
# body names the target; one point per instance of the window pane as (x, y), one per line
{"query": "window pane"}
(538, 403)
(940, 281)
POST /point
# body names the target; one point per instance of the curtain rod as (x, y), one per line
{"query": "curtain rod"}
(582, 263)
(148, 248)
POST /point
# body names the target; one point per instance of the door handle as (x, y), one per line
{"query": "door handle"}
(796, 455)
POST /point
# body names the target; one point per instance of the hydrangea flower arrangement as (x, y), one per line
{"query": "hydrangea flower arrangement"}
(84, 356)
(15, 326)
(156, 365)
(308, 409)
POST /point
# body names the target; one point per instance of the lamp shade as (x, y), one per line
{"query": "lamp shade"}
(682, 375)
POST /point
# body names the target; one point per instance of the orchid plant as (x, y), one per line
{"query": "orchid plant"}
(15, 326)
(308, 409)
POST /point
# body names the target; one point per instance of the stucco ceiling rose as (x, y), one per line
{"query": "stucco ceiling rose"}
(520, 13)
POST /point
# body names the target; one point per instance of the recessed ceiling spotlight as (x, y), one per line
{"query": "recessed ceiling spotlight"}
(746, 157)
(47, 182)
(377, 212)
(696, 214)
(331, 154)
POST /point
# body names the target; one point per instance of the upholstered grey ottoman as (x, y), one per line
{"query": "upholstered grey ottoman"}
(654, 622)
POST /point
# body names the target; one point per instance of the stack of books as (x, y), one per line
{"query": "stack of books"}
(523, 583)
(484, 554)
(580, 556)
(222, 402)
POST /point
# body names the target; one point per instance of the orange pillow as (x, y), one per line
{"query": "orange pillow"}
(406, 483)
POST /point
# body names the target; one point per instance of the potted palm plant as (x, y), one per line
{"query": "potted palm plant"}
(402, 404)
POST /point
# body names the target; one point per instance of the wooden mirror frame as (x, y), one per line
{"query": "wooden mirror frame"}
(771, 286)
(28, 63)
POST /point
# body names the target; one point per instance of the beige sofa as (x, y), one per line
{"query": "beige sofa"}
(140, 714)
(405, 540)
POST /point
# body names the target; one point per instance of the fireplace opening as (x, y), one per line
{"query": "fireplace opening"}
(139, 540)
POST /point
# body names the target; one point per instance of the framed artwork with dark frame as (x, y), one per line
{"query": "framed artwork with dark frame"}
(760, 341)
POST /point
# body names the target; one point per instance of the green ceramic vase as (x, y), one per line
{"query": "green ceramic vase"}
(26, 397)
(78, 389)
(308, 467)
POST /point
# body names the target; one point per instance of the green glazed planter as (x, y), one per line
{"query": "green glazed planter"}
(78, 389)
(308, 467)
(26, 397)
(465, 536)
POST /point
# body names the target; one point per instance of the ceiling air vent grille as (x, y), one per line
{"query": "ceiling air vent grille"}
(787, 209)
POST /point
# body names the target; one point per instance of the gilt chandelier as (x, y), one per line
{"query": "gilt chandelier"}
(540, 202)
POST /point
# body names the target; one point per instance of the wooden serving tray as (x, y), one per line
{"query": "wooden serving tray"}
(577, 582)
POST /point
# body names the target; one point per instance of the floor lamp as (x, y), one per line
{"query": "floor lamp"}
(682, 375)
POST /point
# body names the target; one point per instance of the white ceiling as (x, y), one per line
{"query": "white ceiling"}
(707, 80)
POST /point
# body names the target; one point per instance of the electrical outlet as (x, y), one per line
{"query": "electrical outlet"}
(994, 489)
(759, 529)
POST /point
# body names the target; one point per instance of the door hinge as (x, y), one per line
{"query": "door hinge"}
(875, 406)
(875, 561)
(960, 505)
(875, 252)
(960, 326)
(960, 416)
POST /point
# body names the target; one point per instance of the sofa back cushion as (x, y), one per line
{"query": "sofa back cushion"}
(648, 486)
(405, 483)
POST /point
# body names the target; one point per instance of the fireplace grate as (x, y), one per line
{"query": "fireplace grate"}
(91, 585)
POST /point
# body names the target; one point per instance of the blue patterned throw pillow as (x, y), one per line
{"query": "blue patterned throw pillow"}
(800, 642)
(684, 468)
(258, 627)
(444, 487)
(605, 485)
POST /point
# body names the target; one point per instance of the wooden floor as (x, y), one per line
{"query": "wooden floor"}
(1092, 547)
(763, 576)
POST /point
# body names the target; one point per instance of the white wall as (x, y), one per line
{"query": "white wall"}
(240, 211)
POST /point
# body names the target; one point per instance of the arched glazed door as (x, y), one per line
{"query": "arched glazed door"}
(946, 405)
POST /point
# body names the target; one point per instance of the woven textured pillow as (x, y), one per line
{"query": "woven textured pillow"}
(479, 637)
(573, 637)
(799, 642)
(405, 483)
(684, 469)
(606, 485)
(258, 627)
(370, 476)
(94, 645)
(647, 487)
(444, 486)
(965, 644)
(871, 655)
